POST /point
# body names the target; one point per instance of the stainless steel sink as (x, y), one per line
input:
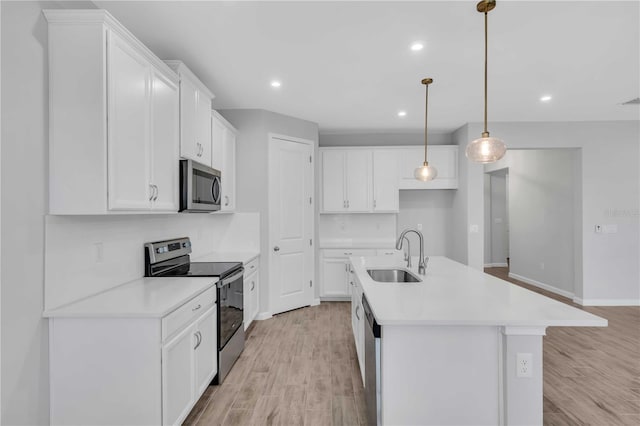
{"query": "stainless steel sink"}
(393, 276)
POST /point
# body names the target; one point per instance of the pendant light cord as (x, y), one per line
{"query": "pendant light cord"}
(426, 109)
(486, 23)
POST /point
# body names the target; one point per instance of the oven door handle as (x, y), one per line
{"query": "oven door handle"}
(228, 280)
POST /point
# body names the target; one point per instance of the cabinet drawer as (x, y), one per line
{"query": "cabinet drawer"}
(251, 267)
(348, 252)
(187, 312)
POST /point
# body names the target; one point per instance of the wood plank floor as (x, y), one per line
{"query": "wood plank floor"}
(300, 368)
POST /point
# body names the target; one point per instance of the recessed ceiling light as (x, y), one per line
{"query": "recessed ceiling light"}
(402, 113)
(276, 83)
(417, 46)
(545, 98)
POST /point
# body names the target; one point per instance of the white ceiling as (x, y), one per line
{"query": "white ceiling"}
(348, 66)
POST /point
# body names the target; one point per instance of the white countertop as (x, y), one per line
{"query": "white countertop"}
(228, 256)
(142, 298)
(454, 294)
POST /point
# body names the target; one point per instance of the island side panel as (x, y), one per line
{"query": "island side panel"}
(440, 375)
(523, 396)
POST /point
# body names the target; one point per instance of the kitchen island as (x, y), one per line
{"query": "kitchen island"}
(460, 347)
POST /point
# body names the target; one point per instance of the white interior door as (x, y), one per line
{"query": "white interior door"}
(290, 223)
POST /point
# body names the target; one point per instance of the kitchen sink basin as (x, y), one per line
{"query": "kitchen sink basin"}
(393, 276)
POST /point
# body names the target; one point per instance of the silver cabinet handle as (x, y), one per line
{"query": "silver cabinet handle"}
(347, 203)
(253, 285)
(152, 192)
(357, 316)
(226, 197)
(348, 253)
(155, 197)
(374, 204)
(276, 248)
(196, 308)
(198, 339)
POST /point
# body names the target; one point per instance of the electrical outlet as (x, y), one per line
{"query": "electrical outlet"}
(524, 365)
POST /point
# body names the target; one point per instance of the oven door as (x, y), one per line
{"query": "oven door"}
(200, 187)
(230, 306)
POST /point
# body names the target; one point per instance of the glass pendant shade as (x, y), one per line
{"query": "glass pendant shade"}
(425, 173)
(486, 149)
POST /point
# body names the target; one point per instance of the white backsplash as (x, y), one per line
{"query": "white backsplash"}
(357, 229)
(85, 255)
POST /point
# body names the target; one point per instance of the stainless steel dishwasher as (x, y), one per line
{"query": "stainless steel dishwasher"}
(372, 334)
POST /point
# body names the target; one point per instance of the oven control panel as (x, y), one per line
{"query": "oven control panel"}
(168, 249)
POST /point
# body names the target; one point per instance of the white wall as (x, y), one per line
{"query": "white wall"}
(433, 209)
(542, 195)
(24, 368)
(252, 150)
(610, 179)
(354, 230)
(382, 138)
(75, 267)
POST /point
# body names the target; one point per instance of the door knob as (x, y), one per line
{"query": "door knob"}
(276, 248)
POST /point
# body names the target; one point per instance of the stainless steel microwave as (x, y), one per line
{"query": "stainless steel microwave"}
(199, 188)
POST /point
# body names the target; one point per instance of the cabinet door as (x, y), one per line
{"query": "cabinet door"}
(333, 181)
(165, 142)
(189, 147)
(203, 128)
(246, 301)
(128, 127)
(385, 180)
(206, 351)
(253, 288)
(228, 171)
(358, 180)
(178, 383)
(361, 325)
(334, 277)
(217, 142)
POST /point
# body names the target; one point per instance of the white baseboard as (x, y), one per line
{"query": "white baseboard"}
(606, 302)
(315, 302)
(263, 316)
(336, 299)
(495, 265)
(543, 286)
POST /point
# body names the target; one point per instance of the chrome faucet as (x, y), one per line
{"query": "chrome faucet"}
(421, 265)
(407, 254)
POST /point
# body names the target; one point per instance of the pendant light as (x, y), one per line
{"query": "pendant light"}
(486, 149)
(426, 172)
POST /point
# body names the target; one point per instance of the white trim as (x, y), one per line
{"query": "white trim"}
(543, 286)
(606, 302)
(315, 301)
(263, 316)
(523, 331)
(495, 265)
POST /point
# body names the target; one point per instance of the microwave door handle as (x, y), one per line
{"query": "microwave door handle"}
(215, 190)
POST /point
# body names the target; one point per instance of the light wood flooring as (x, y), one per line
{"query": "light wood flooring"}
(300, 368)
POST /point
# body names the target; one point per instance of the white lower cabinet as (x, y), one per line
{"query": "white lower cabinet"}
(251, 284)
(132, 371)
(358, 322)
(335, 273)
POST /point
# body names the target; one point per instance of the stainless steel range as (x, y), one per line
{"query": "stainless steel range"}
(170, 258)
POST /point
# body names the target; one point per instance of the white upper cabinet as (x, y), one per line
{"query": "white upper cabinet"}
(113, 117)
(217, 140)
(385, 180)
(195, 115)
(346, 181)
(443, 157)
(225, 150)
